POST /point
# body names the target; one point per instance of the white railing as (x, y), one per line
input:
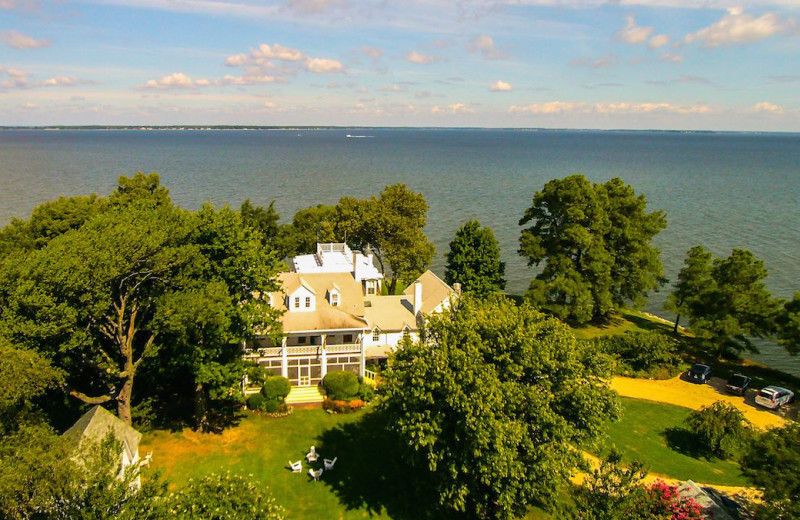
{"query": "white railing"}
(369, 374)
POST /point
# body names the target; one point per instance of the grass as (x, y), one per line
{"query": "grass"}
(367, 481)
(626, 321)
(651, 432)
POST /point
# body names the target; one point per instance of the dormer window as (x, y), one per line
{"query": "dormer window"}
(376, 334)
(296, 302)
(334, 299)
(308, 302)
(406, 332)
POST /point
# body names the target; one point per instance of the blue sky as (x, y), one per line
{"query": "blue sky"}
(665, 64)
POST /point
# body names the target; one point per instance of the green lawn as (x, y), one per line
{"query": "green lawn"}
(367, 482)
(643, 432)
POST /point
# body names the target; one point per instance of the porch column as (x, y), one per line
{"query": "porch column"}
(284, 359)
(362, 365)
(324, 354)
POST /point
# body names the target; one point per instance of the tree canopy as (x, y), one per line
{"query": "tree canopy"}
(139, 277)
(771, 465)
(474, 261)
(594, 240)
(492, 402)
(725, 299)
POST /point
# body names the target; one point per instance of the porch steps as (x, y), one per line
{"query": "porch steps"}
(301, 394)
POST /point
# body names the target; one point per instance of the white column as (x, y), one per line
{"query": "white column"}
(363, 364)
(324, 355)
(284, 359)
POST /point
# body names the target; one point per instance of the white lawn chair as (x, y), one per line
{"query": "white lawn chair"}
(315, 474)
(329, 463)
(312, 456)
(297, 467)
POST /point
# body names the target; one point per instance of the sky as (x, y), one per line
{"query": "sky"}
(633, 64)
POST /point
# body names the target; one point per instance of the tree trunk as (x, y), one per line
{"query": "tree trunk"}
(677, 319)
(393, 284)
(200, 408)
(124, 400)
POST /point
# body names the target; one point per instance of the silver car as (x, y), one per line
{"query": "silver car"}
(773, 397)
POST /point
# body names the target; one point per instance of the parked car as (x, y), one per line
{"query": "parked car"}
(773, 397)
(738, 384)
(699, 373)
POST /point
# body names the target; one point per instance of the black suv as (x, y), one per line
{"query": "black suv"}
(699, 373)
(738, 384)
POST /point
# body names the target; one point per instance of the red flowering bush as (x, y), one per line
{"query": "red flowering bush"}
(665, 500)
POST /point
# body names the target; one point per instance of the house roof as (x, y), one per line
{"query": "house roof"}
(347, 315)
(391, 313)
(434, 291)
(97, 423)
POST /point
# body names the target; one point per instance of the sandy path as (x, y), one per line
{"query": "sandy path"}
(689, 395)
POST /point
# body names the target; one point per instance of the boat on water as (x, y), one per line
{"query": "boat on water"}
(357, 136)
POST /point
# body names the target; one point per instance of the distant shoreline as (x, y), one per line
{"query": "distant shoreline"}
(193, 128)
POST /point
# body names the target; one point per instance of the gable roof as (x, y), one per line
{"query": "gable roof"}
(348, 315)
(434, 291)
(391, 313)
(97, 423)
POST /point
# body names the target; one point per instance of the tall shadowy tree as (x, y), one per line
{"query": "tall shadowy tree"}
(735, 307)
(492, 402)
(694, 280)
(789, 325)
(771, 465)
(398, 216)
(474, 261)
(594, 240)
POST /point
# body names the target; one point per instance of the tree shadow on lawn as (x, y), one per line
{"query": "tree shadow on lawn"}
(684, 442)
(370, 472)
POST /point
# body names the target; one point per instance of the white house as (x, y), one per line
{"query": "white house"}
(335, 316)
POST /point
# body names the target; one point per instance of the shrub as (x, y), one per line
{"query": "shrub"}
(643, 353)
(256, 375)
(721, 428)
(338, 406)
(223, 496)
(341, 385)
(271, 405)
(276, 388)
(255, 402)
(366, 392)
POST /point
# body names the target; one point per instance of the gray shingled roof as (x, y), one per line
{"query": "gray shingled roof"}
(96, 424)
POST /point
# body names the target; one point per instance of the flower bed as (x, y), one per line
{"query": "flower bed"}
(336, 406)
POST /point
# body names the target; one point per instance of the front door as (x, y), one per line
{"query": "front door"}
(305, 375)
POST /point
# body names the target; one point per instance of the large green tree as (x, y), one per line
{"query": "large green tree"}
(594, 240)
(25, 376)
(136, 278)
(732, 305)
(493, 401)
(694, 279)
(474, 261)
(771, 465)
(789, 325)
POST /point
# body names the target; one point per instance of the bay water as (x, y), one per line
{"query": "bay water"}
(721, 190)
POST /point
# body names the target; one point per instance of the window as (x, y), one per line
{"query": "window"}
(313, 340)
(406, 332)
(334, 299)
(376, 334)
(301, 340)
(308, 302)
(370, 286)
(296, 302)
(348, 338)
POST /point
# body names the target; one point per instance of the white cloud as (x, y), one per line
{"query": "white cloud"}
(485, 45)
(324, 66)
(277, 52)
(632, 33)
(765, 106)
(501, 86)
(393, 88)
(656, 42)
(61, 81)
(246, 79)
(670, 57)
(22, 41)
(15, 78)
(177, 80)
(419, 58)
(581, 107)
(739, 27)
(29, 106)
(455, 108)
(270, 104)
